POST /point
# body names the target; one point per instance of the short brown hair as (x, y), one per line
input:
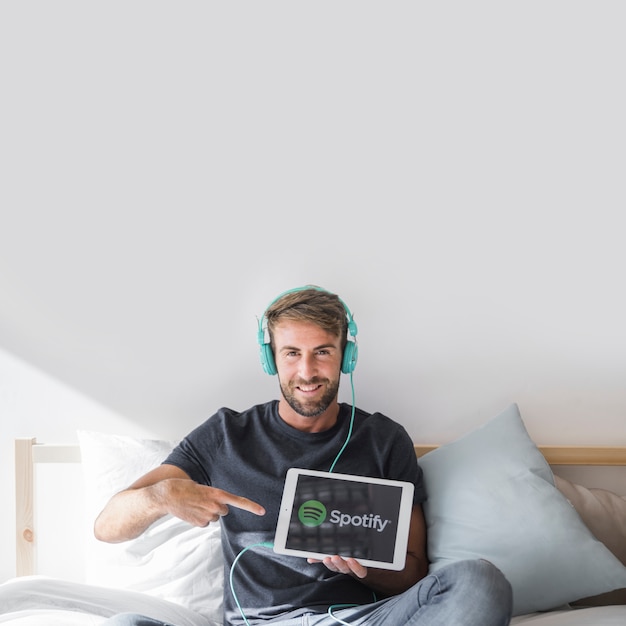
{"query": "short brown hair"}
(309, 304)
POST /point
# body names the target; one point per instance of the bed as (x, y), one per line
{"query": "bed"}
(538, 512)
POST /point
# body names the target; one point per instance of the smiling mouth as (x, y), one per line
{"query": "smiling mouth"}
(309, 387)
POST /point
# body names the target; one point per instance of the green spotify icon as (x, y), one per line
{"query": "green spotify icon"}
(312, 513)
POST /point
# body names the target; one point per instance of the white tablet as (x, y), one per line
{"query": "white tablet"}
(323, 514)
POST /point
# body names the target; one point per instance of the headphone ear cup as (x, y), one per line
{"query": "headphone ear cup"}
(267, 359)
(350, 355)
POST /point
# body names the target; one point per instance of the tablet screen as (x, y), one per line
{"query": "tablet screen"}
(325, 514)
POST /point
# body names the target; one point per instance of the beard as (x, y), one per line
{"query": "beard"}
(311, 408)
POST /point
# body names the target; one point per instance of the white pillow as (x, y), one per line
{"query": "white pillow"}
(172, 560)
(491, 495)
(604, 514)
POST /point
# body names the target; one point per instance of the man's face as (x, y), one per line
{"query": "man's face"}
(308, 361)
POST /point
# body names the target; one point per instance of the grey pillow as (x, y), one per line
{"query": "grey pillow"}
(491, 495)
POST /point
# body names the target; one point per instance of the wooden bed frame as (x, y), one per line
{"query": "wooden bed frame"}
(28, 452)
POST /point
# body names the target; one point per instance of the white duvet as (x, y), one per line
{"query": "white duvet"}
(42, 601)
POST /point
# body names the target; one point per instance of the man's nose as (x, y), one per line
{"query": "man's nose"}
(308, 367)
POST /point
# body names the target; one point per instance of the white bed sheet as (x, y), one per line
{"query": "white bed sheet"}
(39, 600)
(589, 616)
(50, 617)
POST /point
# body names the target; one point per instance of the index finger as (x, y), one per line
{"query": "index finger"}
(243, 503)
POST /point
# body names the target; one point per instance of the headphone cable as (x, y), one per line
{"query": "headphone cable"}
(268, 544)
(264, 544)
(332, 467)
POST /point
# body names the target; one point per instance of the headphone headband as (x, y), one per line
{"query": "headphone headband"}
(350, 352)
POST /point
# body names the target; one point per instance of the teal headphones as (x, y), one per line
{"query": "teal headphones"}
(350, 353)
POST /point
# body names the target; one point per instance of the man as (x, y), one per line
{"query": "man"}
(232, 468)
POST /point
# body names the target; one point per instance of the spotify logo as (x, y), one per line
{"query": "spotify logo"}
(312, 513)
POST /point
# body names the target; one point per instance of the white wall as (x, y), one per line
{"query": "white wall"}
(33, 404)
(454, 172)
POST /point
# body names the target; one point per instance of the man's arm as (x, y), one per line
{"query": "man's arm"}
(385, 581)
(165, 489)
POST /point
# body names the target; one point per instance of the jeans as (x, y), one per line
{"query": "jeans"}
(465, 593)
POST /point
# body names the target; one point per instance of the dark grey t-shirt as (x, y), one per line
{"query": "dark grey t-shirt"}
(248, 453)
